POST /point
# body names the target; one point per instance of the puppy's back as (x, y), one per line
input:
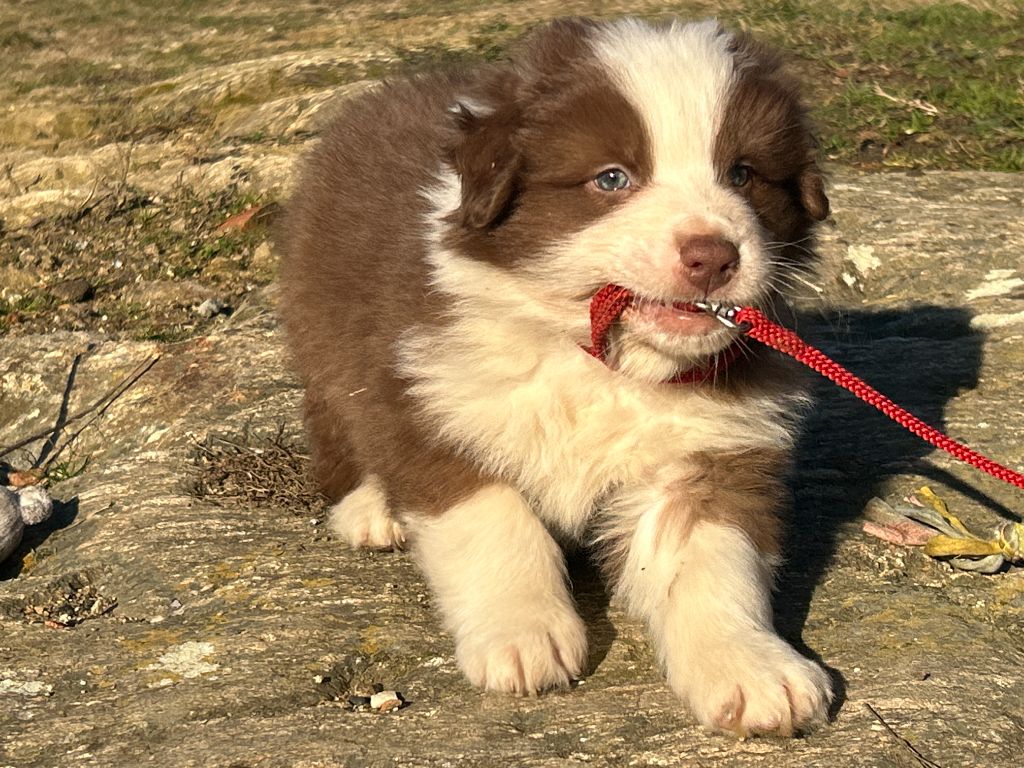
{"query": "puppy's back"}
(353, 275)
(353, 233)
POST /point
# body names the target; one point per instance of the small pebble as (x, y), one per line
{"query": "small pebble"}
(385, 701)
(36, 504)
(212, 308)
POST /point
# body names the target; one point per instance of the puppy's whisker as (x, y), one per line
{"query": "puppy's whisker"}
(804, 281)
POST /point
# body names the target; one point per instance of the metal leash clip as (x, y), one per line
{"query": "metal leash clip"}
(724, 313)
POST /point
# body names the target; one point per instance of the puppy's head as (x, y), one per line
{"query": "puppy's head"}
(673, 159)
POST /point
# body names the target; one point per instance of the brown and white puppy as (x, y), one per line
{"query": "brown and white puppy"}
(443, 244)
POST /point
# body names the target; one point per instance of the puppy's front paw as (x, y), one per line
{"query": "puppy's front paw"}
(524, 652)
(363, 519)
(757, 684)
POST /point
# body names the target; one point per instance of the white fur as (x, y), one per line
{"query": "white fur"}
(706, 595)
(677, 78)
(514, 623)
(563, 427)
(362, 518)
(538, 411)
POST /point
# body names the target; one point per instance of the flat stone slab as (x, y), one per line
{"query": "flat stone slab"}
(203, 631)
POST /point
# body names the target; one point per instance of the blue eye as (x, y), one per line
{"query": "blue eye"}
(739, 175)
(612, 180)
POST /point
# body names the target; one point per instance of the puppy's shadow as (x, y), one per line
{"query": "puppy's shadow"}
(921, 359)
(592, 601)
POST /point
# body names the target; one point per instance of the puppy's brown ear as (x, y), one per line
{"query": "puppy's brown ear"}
(487, 162)
(812, 193)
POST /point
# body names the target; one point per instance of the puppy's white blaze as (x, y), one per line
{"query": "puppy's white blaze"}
(514, 622)
(677, 78)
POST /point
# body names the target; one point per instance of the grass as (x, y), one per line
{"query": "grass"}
(937, 86)
(66, 469)
(23, 308)
(158, 241)
(906, 83)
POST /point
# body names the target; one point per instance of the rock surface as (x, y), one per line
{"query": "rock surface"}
(239, 630)
(184, 607)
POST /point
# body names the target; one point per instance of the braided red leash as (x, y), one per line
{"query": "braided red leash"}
(611, 301)
(608, 303)
(755, 325)
(605, 308)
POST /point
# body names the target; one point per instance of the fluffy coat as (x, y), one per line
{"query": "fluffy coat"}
(442, 246)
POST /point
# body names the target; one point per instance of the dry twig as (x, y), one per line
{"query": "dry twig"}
(921, 759)
(920, 104)
(101, 405)
(256, 470)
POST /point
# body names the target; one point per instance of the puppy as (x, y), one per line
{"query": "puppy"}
(443, 245)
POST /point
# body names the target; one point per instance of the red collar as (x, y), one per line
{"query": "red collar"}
(605, 308)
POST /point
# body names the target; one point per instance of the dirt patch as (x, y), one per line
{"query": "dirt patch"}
(134, 264)
(64, 603)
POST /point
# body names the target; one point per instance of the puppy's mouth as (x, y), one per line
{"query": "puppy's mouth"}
(677, 318)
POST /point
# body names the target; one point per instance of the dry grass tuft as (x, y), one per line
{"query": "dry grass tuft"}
(268, 470)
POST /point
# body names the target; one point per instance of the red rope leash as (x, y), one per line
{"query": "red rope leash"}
(605, 308)
(754, 324)
(612, 300)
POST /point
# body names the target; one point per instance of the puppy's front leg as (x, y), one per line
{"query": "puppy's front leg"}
(499, 579)
(698, 567)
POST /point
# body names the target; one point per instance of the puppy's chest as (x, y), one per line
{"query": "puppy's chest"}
(584, 444)
(566, 432)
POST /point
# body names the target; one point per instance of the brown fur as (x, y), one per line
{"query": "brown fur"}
(528, 166)
(766, 126)
(351, 281)
(745, 490)
(355, 278)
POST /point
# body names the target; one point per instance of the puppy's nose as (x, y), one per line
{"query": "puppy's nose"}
(708, 262)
